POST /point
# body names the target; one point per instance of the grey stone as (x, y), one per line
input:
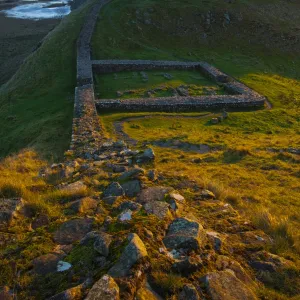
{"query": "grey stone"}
(74, 293)
(152, 175)
(184, 233)
(111, 199)
(188, 265)
(102, 242)
(147, 156)
(158, 208)
(131, 188)
(263, 266)
(206, 194)
(132, 253)
(188, 292)
(72, 231)
(114, 189)
(104, 289)
(216, 239)
(129, 205)
(223, 285)
(156, 193)
(133, 173)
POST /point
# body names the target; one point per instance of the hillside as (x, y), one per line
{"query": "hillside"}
(191, 204)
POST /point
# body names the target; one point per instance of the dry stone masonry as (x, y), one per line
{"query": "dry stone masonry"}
(240, 96)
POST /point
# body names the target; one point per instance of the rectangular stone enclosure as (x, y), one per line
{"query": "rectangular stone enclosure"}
(239, 95)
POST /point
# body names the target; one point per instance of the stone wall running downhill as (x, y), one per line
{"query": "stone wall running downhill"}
(86, 131)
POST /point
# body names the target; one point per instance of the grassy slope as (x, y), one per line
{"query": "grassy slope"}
(36, 105)
(263, 185)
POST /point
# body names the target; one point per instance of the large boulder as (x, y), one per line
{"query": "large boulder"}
(184, 233)
(72, 231)
(114, 189)
(223, 285)
(104, 289)
(147, 156)
(132, 253)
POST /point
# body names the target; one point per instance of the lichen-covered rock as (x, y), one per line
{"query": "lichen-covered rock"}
(72, 231)
(155, 193)
(102, 243)
(132, 253)
(114, 189)
(223, 285)
(131, 188)
(158, 208)
(104, 289)
(184, 233)
(189, 292)
(83, 205)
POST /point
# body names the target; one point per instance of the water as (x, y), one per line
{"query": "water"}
(39, 10)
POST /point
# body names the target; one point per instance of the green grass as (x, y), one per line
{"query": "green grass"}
(132, 84)
(36, 105)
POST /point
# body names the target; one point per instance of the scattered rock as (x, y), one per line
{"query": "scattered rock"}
(131, 188)
(224, 285)
(184, 233)
(224, 262)
(189, 292)
(72, 231)
(152, 175)
(125, 216)
(158, 208)
(47, 263)
(206, 194)
(74, 187)
(214, 121)
(104, 289)
(132, 253)
(215, 238)
(114, 189)
(40, 221)
(147, 156)
(156, 193)
(110, 200)
(133, 173)
(102, 243)
(188, 265)
(74, 293)
(129, 205)
(10, 209)
(83, 205)
(182, 91)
